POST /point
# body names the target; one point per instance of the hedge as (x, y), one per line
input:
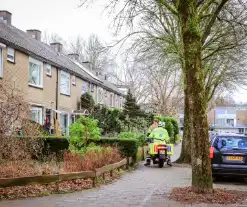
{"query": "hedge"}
(58, 145)
(173, 121)
(128, 147)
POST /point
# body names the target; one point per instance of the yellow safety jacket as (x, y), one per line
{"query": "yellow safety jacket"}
(159, 136)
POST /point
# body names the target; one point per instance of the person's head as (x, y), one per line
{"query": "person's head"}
(161, 124)
(156, 121)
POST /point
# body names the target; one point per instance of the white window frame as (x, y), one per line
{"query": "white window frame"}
(66, 129)
(100, 95)
(11, 53)
(37, 62)
(121, 102)
(67, 92)
(38, 109)
(116, 100)
(1, 62)
(92, 87)
(73, 80)
(47, 65)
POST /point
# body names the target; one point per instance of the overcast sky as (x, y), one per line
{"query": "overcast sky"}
(67, 20)
(59, 16)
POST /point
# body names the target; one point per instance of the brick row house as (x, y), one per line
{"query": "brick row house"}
(51, 81)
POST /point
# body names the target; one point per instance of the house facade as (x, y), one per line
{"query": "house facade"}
(51, 81)
(231, 118)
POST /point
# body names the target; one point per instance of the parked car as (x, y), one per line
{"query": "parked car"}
(228, 153)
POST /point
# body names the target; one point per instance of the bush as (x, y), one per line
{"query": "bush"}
(109, 119)
(84, 129)
(87, 101)
(47, 148)
(177, 138)
(94, 157)
(114, 121)
(170, 130)
(17, 148)
(172, 120)
(175, 126)
(23, 168)
(134, 135)
(53, 146)
(127, 147)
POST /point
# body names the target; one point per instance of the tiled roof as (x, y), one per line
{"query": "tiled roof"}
(21, 41)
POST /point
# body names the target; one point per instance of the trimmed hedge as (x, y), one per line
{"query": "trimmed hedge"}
(128, 147)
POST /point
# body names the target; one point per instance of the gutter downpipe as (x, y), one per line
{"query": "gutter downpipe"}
(56, 92)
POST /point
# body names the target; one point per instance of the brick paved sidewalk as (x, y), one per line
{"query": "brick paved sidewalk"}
(147, 186)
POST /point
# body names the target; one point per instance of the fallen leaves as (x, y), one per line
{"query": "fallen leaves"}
(62, 187)
(219, 196)
(42, 190)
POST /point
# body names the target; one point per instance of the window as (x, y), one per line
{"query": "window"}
(230, 122)
(11, 55)
(48, 69)
(227, 143)
(73, 80)
(36, 115)
(65, 83)
(116, 100)
(92, 87)
(121, 103)
(100, 95)
(111, 100)
(84, 87)
(64, 124)
(1, 63)
(35, 72)
(241, 130)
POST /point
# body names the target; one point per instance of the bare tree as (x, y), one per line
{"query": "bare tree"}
(14, 108)
(94, 51)
(49, 38)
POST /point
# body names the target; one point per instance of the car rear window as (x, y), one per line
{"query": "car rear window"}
(230, 142)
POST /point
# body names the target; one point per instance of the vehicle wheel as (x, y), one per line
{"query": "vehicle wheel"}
(169, 162)
(161, 163)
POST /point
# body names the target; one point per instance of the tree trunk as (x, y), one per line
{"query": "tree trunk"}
(195, 77)
(185, 156)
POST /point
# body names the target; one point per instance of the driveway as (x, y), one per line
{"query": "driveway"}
(147, 186)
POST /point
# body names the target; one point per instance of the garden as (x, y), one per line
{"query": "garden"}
(99, 148)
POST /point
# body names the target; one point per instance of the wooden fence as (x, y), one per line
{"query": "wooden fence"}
(48, 179)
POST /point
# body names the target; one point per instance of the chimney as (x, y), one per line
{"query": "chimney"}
(35, 34)
(56, 46)
(74, 56)
(5, 16)
(89, 64)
